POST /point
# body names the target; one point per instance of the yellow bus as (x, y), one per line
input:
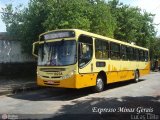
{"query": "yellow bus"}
(73, 58)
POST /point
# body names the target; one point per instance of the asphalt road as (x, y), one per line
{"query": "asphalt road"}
(120, 101)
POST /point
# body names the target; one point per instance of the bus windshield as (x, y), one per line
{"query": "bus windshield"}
(59, 53)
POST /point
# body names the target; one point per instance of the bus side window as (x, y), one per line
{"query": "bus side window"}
(98, 49)
(136, 54)
(101, 49)
(123, 52)
(129, 51)
(115, 51)
(146, 56)
(141, 55)
(133, 57)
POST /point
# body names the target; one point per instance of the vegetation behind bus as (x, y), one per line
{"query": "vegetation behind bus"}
(112, 19)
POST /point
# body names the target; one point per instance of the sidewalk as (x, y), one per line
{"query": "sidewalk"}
(12, 85)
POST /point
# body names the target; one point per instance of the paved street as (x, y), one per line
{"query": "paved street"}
(116, 101)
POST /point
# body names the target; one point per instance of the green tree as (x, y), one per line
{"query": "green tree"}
(67, 14)
(133, 25)
(155, 48)
(25, 24)
(102, 21)
(43, 15)
(90, 15)
(112, 19)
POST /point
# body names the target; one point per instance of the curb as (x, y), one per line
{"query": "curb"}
(5, 92)
(20, 89)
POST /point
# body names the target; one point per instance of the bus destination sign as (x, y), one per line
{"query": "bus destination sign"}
(57, 35)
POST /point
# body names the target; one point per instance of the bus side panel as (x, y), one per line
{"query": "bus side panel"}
(86, 80)
(118, 76)
(123, 73)
(112, 77)
(120, 71)
(146, 70)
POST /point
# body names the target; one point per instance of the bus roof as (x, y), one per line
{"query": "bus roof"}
(97, 36)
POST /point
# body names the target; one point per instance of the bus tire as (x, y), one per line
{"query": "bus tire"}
(99, 84)
(136, 76)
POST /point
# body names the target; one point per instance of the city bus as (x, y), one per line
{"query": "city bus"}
(73, 58)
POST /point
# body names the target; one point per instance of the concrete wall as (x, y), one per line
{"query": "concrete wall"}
(11, 52)
(12, 60)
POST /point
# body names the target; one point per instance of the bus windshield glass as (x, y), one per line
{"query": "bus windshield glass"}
(61, 53)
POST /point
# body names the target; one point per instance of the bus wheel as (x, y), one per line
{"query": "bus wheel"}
(136, 76)
(99, 84)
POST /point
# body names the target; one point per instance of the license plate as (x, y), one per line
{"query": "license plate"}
(50, 82)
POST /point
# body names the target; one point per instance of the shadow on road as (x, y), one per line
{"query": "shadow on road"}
(54, 94)
(146, 106)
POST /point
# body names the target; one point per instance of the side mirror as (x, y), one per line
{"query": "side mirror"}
(35, 49)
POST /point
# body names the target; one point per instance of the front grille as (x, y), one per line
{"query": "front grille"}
(51, 82)
(45, 76)
(52, 69)
(52, 76)
(56, 77)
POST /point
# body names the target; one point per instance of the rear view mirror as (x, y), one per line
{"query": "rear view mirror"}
(35, 49)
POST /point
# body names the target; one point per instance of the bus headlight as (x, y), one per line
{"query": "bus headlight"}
(69, 75)
(38, 74)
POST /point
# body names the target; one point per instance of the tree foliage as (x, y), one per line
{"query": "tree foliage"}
(112, 19)
(90, 15)
(155, 49)
(27, 23)
(132, 24)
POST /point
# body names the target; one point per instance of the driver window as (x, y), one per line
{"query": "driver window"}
(85, 50)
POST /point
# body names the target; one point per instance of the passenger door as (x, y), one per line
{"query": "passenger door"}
(85, 54)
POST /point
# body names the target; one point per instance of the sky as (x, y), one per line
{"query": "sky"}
(2, 5)
(152, 6)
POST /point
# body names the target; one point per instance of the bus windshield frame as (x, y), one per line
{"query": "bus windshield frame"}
(57, 53)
